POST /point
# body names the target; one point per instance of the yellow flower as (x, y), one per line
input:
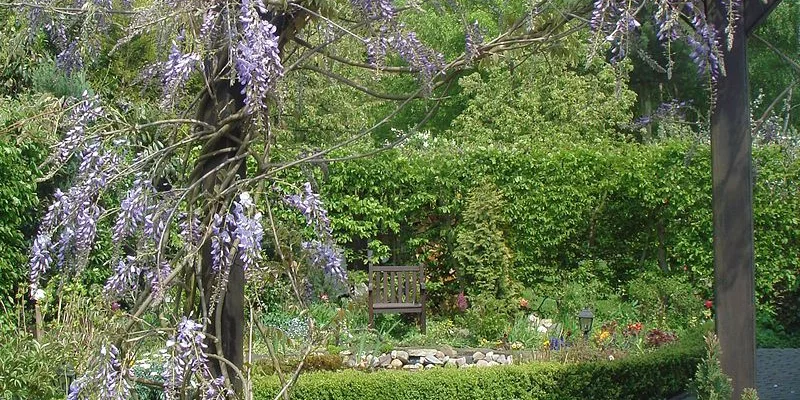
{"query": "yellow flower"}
(603, 336)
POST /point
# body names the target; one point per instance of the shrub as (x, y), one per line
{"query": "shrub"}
(710, 382)
(30, 370)
(654, 375)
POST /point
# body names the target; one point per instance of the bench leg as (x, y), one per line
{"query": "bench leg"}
(371, 316)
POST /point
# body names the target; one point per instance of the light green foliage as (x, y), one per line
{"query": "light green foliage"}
(770, 74)
(710, 383)
(481, 251)
(749, 394)
(31, 370)
(544, 100)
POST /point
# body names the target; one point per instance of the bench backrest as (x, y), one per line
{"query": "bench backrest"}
(396, 284)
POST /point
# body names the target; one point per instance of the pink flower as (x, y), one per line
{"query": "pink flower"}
(708, 304)
(461, 301)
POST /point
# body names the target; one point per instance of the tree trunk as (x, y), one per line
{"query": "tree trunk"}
(732, 195)
(224, 100)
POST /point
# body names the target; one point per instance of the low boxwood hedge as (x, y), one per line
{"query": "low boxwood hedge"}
(657, 375)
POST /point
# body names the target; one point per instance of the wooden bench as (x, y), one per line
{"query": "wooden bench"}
(397, 290)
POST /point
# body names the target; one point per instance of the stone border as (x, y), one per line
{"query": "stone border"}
(417, 359)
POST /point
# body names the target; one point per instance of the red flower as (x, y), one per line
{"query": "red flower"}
(708, 304)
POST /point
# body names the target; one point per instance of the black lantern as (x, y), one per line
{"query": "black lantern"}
(585, 319)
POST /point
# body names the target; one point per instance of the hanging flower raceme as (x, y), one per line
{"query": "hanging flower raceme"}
(187, 358)
(132, 209)
(84, 113)
(111, 381)
(321, 252)
(326, 256)
(704, 43)
(124, 277)
(389, 33)
(177, 69)
(236, 235)
(473, 40)
(258, 62)
(310, 205)
(73, 216)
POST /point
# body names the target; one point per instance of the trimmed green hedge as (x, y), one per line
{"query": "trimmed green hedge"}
(656, 375)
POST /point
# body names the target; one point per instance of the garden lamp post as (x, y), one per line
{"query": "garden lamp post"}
(585, 319)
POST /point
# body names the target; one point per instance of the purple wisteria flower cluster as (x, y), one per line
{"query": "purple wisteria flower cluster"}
(111, 381)
(258, 62)
(140, 217)
(187, 358)
(322, 252)
(616, 19)
(704, 42)
(84, 113)
(237, 234)
(68, 229)
(177, 70)
(390, 33)
(473, 40)
(669, 110)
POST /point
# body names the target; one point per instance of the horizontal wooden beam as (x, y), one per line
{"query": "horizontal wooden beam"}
(395, 268)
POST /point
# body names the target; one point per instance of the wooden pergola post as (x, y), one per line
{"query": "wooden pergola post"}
(732, 193)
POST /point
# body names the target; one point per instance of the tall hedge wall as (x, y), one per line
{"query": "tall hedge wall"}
(637, 207)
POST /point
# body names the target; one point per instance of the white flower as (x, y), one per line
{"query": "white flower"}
(38, 295)
(610, 357)
(245, 200)
(541, 329)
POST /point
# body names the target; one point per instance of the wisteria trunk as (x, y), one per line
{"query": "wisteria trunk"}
(218, 163)
(732, 193)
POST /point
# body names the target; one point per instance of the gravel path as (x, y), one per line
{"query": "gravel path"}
(777, 375)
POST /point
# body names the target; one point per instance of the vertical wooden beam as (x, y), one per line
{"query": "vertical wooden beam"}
(733, 215)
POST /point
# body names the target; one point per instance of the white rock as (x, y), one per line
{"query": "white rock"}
(482, 363)
(478, 356)
(401, 355)
(493, 363)
(421, 352)
(397, 364)
(448, 351)
(433, 360)
(429, 366)
(461, 361)
(385, 360)
(501, 359)
(510, 359)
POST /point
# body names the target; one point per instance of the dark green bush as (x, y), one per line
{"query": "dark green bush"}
(657, 375)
